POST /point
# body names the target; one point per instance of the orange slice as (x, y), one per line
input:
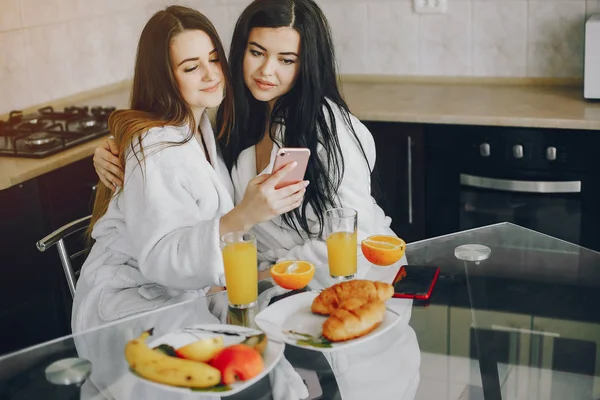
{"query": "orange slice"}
(383, 250)
(292, 274)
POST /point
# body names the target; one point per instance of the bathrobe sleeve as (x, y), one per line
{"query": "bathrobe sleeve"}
(174, 233)
(353, 192)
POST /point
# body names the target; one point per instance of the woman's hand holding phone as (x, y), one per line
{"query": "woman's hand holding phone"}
(286, 156)
(263, 202)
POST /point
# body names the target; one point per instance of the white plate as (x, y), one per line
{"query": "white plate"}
(293, 314)
(232, 334)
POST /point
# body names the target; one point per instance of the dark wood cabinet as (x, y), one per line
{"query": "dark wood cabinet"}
(35, 302)
(399, 176)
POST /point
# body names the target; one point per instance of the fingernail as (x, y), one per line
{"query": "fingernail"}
(294, 164)
(306, 183)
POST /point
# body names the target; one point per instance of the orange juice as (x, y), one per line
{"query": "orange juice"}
(341, 254)
(241, 273)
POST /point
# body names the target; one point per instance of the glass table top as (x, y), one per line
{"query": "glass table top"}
(521, 323)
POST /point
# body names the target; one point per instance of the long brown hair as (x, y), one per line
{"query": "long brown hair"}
(155, 97)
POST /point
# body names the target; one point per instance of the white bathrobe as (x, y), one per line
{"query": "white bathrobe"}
(276, 240)
(387, 367)
(158, 243)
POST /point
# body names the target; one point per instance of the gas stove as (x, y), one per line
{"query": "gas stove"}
(50, 131)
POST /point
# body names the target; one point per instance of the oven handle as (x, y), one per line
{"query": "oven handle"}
(520, 186)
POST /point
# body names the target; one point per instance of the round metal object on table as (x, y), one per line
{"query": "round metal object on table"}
(69, 371)
(472, 252)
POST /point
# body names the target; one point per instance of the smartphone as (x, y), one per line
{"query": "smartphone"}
(415, 281)
(288, 155)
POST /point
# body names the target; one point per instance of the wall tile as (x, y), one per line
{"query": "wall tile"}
(113, 6)
(97, 43)
(74, 9)
(39, 12)
(120, 44)
(445, 45)
(10, 17)
(47, 50)
(555, 38)
(224, 18)
(393, 39)
(86, 61)
(349, 30)
(14, 79)
(592, 7)
(499, 44)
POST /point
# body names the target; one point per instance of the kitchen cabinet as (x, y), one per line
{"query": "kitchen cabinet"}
(398, 178)
(67, 193)
(500, 333)
(504, 329)
(35, 302)
(431, 326)
(564, 345)
(29, 312)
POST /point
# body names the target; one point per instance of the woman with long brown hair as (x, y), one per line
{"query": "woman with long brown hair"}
(157, 237)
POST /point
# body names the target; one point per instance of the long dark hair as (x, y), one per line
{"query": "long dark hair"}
(308, 117)
(155, 96)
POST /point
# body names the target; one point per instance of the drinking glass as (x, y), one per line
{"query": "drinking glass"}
(241, 272)
(341, 241)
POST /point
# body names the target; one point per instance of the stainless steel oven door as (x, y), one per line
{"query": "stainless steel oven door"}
(550, 207)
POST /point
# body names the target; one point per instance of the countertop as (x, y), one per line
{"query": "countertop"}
(15, 170)
(538, 106)
(432, 101)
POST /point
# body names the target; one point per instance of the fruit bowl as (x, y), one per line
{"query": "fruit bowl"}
(235, 357)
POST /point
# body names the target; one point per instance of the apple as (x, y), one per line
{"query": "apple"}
(238, 362)
(201, 350)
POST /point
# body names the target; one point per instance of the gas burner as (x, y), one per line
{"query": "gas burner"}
(40, 139)
(102, 111)
(76, 110)
(26, 123)
(32, 125)
(83, 124)
(51, 130)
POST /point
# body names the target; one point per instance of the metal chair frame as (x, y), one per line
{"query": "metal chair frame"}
(57, 238)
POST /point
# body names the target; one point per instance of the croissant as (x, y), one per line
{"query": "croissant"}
(354, 318)
(331, 298)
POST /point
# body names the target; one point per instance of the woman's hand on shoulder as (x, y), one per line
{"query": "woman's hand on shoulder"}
(107, 164)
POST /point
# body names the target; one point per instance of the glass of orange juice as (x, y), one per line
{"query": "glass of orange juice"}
(341, 242)
(241, 272)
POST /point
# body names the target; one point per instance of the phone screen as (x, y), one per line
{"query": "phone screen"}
(415, 281)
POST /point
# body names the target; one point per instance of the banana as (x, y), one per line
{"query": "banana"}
(159, 367)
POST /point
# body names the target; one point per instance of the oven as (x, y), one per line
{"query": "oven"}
(544, 179)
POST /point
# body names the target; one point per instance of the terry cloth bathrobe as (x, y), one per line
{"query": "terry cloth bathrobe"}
(360, 370)
(158, 243)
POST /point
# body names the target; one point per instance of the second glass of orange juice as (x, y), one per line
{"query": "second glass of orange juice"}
(341, 224)
(241, 272)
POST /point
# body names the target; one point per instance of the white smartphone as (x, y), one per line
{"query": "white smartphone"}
(289, 155)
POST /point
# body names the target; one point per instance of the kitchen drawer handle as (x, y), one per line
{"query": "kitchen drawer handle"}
(409, 175)
(520, 186)
(523, 330)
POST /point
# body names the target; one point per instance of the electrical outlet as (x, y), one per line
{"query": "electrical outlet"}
(430, 6)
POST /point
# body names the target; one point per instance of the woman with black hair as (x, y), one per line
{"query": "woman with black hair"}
(286, 95)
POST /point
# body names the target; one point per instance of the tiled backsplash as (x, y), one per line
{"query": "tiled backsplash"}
(53, 48)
